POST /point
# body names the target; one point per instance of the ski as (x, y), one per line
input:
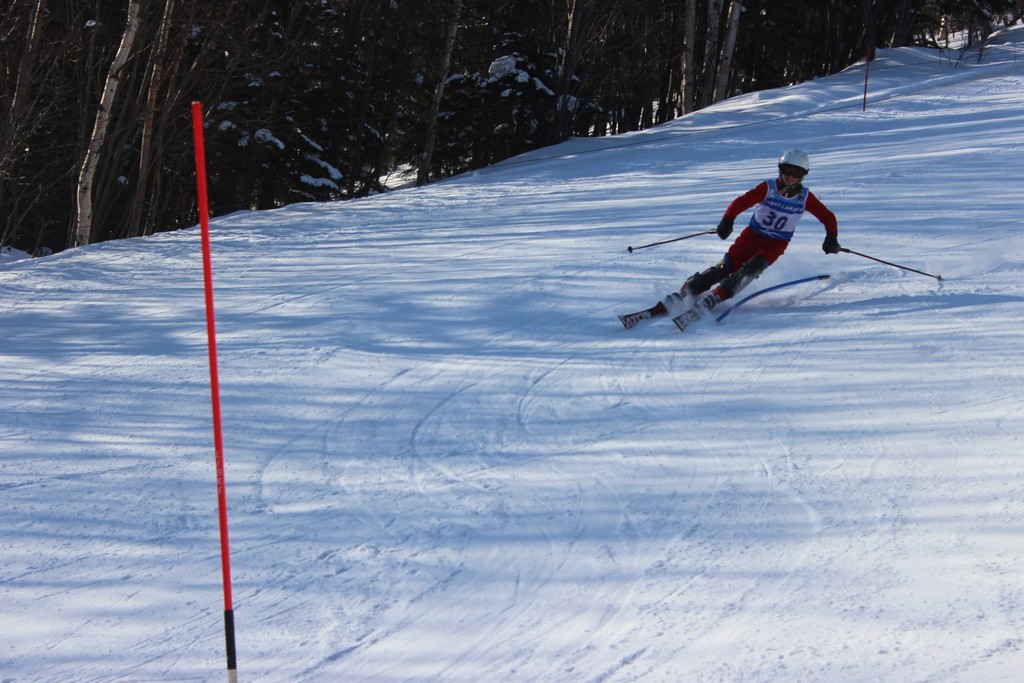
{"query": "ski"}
(633, 319)
(700, 307)
(671, 305)
(739, 303)
(685, 319)
(696, 311)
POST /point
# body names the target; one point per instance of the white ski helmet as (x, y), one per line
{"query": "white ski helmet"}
(796, 157)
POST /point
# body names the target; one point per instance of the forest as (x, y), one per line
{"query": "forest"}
(321, 100)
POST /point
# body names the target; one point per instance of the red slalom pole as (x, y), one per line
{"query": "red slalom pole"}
(218, 440)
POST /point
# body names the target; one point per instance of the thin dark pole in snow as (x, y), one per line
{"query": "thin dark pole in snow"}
(218, 441)
(889, 263)
(676, 239)
(867, 61)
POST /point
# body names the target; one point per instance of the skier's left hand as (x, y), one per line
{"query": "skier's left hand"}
(724, 228)
(831, 244)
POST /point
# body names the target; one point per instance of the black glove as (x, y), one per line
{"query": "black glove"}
(831, 244)
(724, 228)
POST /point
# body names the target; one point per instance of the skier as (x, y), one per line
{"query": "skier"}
(778, 204)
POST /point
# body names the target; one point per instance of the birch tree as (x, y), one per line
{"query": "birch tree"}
(108, 100)
(732, 24)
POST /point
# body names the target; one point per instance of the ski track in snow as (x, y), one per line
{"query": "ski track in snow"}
(446, 462)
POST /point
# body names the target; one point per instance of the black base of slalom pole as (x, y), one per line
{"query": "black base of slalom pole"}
(229, 638)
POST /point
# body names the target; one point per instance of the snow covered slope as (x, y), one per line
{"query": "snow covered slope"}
(446, 461)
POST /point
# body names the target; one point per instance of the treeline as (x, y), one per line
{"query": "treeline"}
(310, 100)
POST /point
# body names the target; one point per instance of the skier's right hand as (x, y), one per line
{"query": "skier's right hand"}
(724, 228)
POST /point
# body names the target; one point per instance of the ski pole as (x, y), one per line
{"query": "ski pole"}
(894, 265)
(677, 239)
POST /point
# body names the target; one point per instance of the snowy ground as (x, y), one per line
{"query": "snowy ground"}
(446, 461)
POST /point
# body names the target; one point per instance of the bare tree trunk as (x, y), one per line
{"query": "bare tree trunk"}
(177, 82)
(83, 226)
(869, 27)
(25, 69)
(732, 25)
(689, 66)
(156, 69)
(707, 90)
(423, 174)
(906, 16)
(577, 18)
(20, 115)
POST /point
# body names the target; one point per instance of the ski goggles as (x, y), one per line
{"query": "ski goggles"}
(792, 171)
